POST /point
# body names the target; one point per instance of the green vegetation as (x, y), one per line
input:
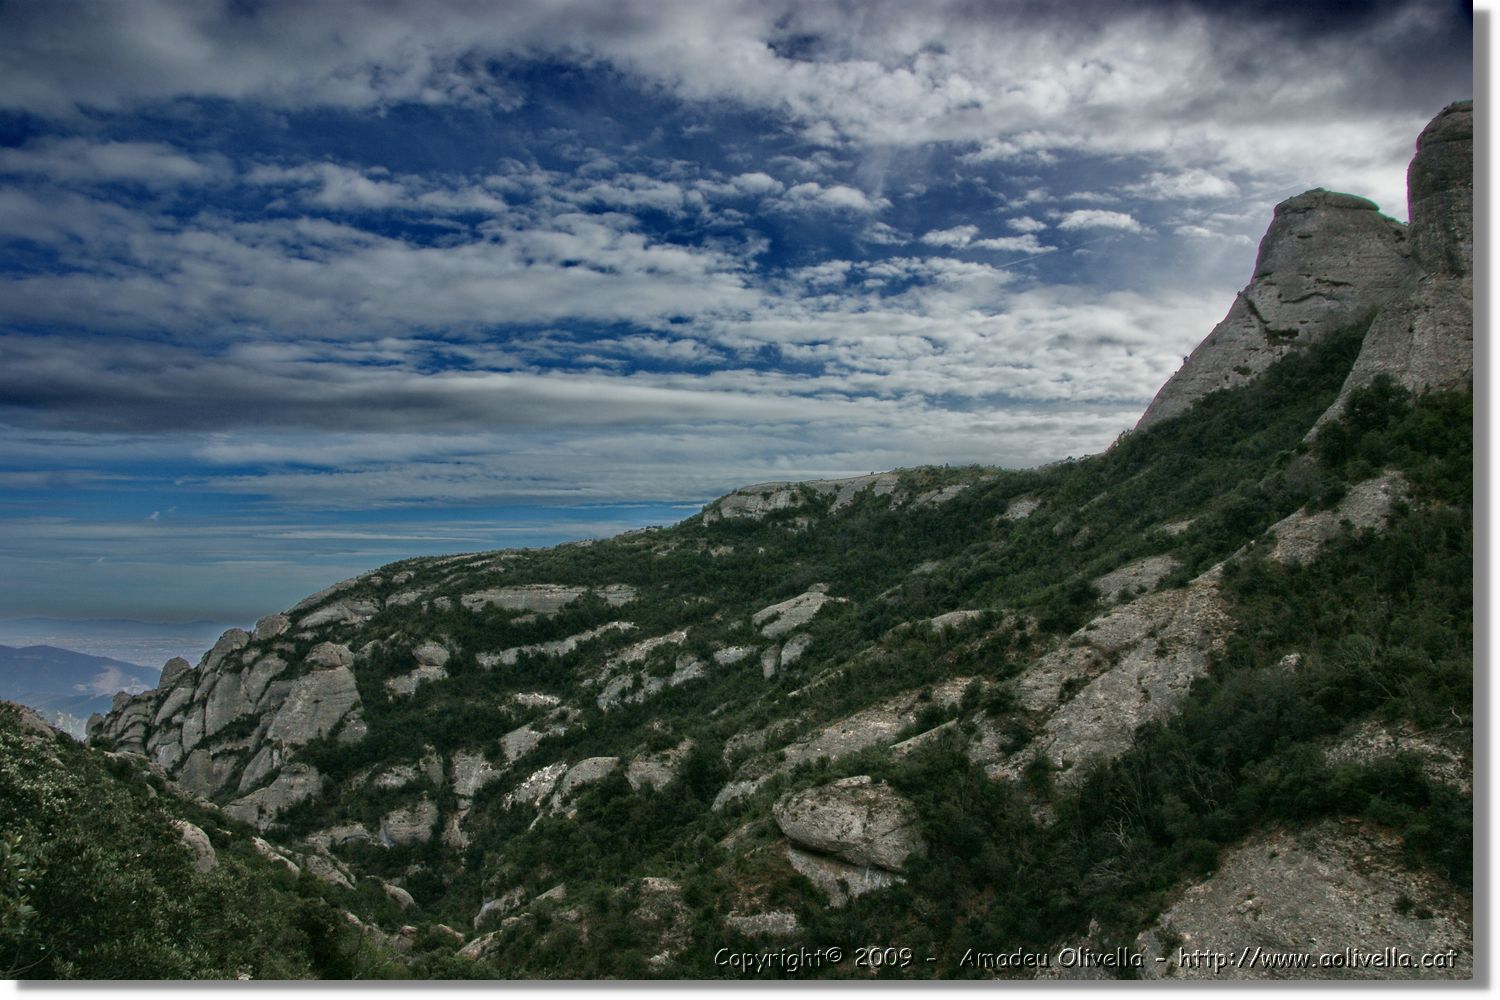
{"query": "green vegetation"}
(1378, 627)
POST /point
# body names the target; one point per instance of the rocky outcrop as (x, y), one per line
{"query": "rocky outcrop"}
(543, 598)
(1331, 261)
(198, 845)
(1134, 578)
(413, 824)
(771, 923)
(555, 647)
(755, 502)
(779, 619)
(1328, 261)
(855, 820)
(657, 770)
(1129, 666)
(1300, 536)
(315, 705)
(878, 725)
(1281, 895)
(585, 772)
(1424, 339)
(260, 808)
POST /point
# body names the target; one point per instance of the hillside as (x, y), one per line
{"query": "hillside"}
(1212, 688)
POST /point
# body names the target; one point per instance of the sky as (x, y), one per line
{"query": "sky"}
(290, 290)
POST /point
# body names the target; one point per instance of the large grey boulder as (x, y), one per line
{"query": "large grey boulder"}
(232, 641)
(270, 627)
(171, 671)
(198, 845)
(854, 819)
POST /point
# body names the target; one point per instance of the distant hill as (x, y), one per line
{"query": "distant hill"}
(67, 686)
(117, 638)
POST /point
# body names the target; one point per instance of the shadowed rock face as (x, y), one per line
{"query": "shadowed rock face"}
(1440, 193)
(1424, 339)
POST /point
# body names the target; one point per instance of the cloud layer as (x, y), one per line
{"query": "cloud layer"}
(282, 261)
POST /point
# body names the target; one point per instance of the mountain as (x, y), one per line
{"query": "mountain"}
(117, 638)
(66, 686)
(1126, 716)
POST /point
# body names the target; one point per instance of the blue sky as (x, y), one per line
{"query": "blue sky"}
(290, 290)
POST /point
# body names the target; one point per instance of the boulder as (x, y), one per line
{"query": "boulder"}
(836, 879)
(198, 845)
(173, 669)
(854, 819)
(271, 626)
(398, 895)
(231, 641)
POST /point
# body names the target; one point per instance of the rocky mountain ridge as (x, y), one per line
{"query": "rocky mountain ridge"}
(750, 699)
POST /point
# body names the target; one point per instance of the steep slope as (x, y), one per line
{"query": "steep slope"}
(941, 707)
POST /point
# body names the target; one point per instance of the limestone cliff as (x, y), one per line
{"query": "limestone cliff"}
(1331, 260)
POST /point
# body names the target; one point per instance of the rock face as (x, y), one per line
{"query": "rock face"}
(1129, 666)
(1424, 338)
(1332, 888)
(1327, 261)
(853, 819)
(1331, 260)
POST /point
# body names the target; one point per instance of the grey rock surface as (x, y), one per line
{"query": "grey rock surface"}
(198, 845)
(316, 704)
(296, 783)
(1424, 339)
(1323, 890)
(838, 880)
(771, 923)
(855, 820)
(413, 824)
(779, 619)
(1327, 261)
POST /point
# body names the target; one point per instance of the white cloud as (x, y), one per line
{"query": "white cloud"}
(1185, 185)
(1015, 244)
(831, 198)
(958, 236)
(758, 183)
(1026, 224)
(81, 160)
(1093, 218)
